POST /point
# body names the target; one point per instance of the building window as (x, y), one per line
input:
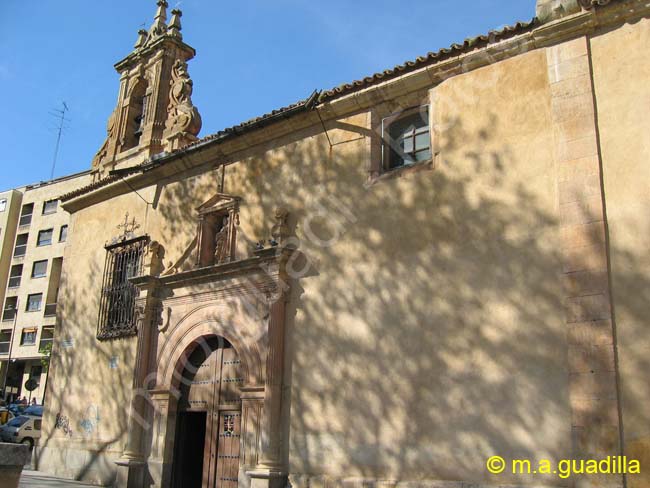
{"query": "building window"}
(117, 306)
(47, 337)
(15, 275)
(45, 237)
(21, 245)
(407, 138)
(28, 337)
(26, 214)
(5, 340)
(39, 270)
(50, 207)
(9, 312)
(3, 204)
(63, 233)
(34, 302)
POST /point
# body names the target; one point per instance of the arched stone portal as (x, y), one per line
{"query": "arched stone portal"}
(208, 419)
(203, 319)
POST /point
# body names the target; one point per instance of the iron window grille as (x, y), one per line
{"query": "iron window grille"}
(117, 306)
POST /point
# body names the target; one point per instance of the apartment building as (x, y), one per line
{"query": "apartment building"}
(34, 233)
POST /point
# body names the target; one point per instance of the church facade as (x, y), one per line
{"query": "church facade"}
(386, 283)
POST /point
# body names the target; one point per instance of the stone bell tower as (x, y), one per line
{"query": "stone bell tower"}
(154, 111)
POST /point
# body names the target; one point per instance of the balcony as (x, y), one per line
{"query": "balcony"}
(50, 310)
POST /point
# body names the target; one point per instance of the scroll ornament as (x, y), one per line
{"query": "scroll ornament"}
(183, 117)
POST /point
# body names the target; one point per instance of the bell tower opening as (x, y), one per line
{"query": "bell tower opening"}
(137, 112)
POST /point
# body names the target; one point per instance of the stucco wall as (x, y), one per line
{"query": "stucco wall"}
(426, 330)
(621, 64)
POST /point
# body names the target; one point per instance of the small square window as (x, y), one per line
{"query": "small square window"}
(407, 138)
(44, 237)
(63, 233)
(34, 302)
(28, 337)
(39, 270)
(3, 204)
(50, 207)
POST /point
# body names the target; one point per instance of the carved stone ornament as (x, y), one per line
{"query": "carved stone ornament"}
(280, 231)
(183, 118)
(548, 10)
(153, 261)
(110, 135)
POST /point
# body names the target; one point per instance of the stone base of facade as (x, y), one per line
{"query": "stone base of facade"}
(94, 467)
(316, 481)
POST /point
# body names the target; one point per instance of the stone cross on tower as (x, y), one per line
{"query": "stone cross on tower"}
(154, 111)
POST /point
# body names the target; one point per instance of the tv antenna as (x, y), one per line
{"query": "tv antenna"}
(60, 115)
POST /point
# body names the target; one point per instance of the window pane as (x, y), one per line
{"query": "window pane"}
(63, 235)
(44, 237)
(422, 141)
(423, 155)
(407, 145)
(40, 269)
(3, 204)
(34, 302)
(50, 207)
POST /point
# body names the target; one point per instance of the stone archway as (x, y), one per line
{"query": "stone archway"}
(208, 417)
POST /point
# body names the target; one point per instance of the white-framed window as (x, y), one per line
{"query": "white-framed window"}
(3, 204)
(407, 138)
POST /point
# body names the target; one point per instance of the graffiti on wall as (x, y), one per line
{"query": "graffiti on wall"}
(63, 422)
(90, 421)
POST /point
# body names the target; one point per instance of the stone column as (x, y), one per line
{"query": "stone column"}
(147, 314)
(162, 436)
(588, 313)
(271, 471)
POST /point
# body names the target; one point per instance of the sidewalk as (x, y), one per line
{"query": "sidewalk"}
(35, 479)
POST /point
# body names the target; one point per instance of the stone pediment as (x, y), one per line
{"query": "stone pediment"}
(217, 203)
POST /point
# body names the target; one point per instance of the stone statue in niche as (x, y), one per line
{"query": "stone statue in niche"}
(221, 239)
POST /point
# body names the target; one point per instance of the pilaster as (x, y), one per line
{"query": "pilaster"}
(588, 313)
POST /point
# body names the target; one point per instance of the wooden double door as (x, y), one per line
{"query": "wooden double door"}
(208, 433)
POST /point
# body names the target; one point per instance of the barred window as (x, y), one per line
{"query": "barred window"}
(117, 306)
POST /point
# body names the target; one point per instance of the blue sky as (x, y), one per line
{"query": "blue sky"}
(252, 56)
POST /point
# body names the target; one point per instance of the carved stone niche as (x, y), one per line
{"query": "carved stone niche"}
(217, 230)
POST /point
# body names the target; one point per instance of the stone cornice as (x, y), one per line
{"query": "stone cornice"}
(212, 153)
